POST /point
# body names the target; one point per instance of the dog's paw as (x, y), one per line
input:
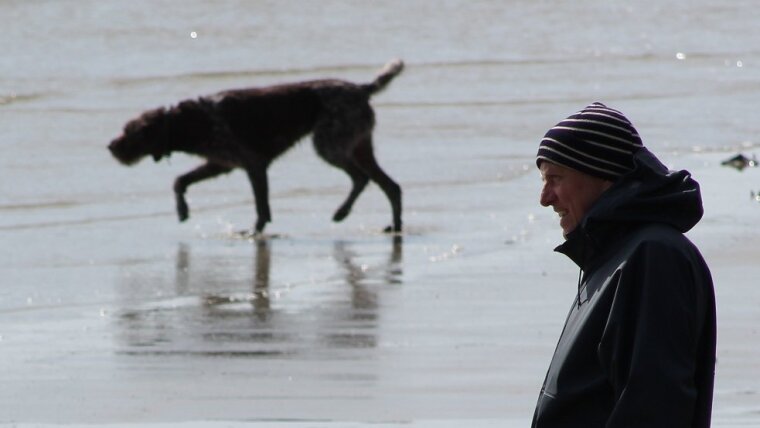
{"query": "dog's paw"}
(392, 229)
(259, 227)
(341, 214)
(183, 212)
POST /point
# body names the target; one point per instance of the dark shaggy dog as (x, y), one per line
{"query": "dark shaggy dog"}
(249, 128)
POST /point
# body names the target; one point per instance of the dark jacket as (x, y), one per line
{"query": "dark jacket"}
(638, 346)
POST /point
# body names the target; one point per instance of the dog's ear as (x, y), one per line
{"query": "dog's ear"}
(158, 118)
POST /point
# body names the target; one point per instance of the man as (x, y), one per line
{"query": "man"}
(638, 346)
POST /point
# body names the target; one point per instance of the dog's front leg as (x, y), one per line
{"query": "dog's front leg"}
(207, 170)
(257, 174)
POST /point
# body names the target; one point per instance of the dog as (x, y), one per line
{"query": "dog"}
(249, 128)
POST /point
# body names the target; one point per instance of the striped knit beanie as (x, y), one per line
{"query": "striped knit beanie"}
(597, 140)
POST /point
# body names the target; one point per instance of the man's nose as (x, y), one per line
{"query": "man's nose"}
(547, 196)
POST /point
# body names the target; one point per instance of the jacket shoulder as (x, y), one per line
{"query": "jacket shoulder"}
(664, 238)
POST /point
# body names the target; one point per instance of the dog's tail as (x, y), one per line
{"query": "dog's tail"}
(391, 70)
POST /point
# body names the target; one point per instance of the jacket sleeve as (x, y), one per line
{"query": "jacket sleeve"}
(649, 344)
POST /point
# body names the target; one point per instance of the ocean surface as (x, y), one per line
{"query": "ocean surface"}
(113, 312)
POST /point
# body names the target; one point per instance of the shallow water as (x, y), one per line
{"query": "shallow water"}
(112, 312)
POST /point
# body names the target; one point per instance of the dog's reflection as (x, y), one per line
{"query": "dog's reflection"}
(358, 275)
(336, 324)
(360, 278)
(270, 315)
(363, 281)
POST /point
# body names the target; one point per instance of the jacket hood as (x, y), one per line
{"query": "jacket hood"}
(650, 193)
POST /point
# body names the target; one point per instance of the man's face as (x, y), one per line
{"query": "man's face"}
(570, 193)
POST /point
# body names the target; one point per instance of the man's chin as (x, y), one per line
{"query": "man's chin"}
(567, 231)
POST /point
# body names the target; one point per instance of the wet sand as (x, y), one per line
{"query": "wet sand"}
(342, 324)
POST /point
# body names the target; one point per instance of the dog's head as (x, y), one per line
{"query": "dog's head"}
(146, 135)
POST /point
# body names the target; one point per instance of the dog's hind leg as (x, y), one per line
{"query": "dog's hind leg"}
(207, 170)
(359, 181)
(337, 156)
(364, 157)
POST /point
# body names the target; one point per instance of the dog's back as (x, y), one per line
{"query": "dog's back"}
(270, 119)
